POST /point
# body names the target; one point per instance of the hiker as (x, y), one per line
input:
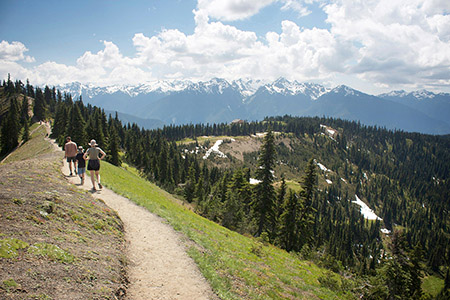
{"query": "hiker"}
(95, 155)
(70, 150)
(81, 164)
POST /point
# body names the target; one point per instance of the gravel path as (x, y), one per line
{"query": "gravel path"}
(158, 266)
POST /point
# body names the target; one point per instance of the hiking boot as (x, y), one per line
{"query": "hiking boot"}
(70, 174)
(100, 185)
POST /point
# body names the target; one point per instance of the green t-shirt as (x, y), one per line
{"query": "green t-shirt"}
(94, 152)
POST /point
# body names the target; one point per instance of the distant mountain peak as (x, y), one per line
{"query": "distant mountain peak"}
(423, 94)
(285, 87)
(346, 91)
(418, 95)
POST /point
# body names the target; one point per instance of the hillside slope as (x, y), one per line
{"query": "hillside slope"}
(236, 266)
(55, 241)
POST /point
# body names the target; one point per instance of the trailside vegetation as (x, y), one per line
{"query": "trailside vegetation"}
(295, 202)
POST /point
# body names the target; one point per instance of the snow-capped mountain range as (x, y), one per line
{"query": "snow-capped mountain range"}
(219, 100)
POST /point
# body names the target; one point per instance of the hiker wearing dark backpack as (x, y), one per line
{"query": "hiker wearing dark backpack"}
(95, 154)
(81, 164)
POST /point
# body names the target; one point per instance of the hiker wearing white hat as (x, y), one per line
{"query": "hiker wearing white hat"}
(95, 155)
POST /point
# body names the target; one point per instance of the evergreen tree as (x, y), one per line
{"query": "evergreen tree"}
(278, 208)
(306, 216)
(60, 123)
(263, 203)
(76, 126)
(39, 109)
(396, 272)
(10, 128)
(416, 259)
(113, 151)
(237, 195)
(189, 189)
(26, 131)
(94, 128)
(24, 116)
(289, 222)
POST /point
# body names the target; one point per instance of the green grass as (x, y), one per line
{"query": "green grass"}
(9, 247)
(236, 266)
(37, 145)
(51, 251)
(432, 285)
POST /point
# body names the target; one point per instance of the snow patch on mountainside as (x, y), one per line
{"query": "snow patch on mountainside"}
(215, 149)
(322, 167)
(285, 87)
(419, 95)
(365, 210)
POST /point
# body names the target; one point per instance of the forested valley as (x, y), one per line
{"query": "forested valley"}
(297, 191)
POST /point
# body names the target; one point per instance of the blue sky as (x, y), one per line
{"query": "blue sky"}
(373, 46)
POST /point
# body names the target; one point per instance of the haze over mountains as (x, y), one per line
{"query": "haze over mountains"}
(182, 102)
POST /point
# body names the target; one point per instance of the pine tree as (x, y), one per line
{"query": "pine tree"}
(10, 128)
(113, 151)
(237, 195)
(263, 203)
(416, 259)
(39, 109)
(26, 131)
(306, 217)
(281, 194)
(60, 123)
(24, 116)
(289, 222)
(396, 273)
(76, 126)
(189, 188)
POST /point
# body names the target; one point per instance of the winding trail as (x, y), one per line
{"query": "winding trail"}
(158, 266)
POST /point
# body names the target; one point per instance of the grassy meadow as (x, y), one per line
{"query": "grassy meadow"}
(237, 267)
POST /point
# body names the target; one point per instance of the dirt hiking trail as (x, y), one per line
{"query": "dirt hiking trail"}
(158, 266)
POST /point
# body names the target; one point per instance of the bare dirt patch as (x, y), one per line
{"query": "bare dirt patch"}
(159, 267)
(57, 242)
(238, 147)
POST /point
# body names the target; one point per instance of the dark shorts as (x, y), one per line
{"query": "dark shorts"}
(72, 158)
(93, 165)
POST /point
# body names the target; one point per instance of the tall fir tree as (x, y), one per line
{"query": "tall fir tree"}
(263, 204)
(76, 126)
(289, 222)
(397, 269)
(24, 111)
(39, 109)
(281, 194)
(113, 150)
(307, 211)
(26, 131)
(10, 128)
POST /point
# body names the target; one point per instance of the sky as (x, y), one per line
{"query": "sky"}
(374, 46)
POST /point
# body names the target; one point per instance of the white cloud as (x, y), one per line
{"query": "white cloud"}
(297, 6)
(401, 42)
(232, 10)
(14, 52)
(387, 43)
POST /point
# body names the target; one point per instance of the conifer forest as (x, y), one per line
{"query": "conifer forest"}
(297, 191)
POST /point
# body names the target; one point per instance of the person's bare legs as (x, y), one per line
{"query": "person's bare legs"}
(92, 179)
(97, 174)
(70, 167)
